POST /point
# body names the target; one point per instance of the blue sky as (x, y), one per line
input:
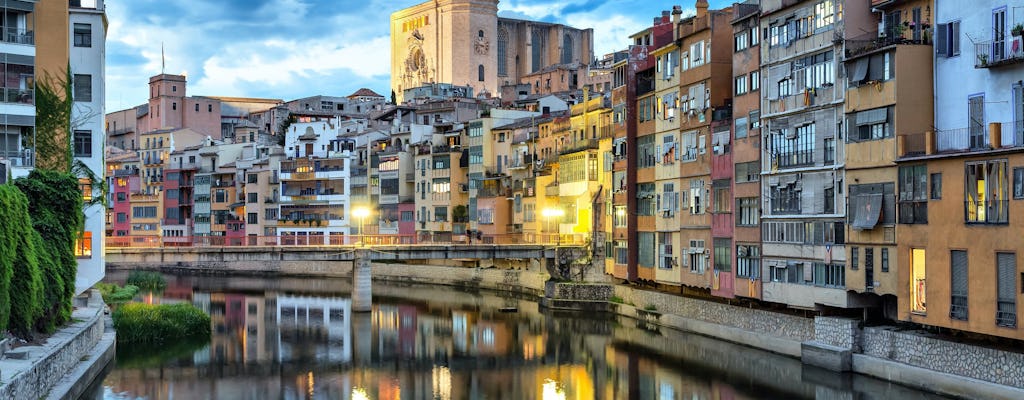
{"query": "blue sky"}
(294, 48)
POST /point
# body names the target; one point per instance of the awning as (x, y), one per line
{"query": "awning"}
(867, 208)
(870, 117)
(860, 70)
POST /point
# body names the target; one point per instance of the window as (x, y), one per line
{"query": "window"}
(171, 194)
(83, 87)
(83, 246)
(209, 108)
(749, 208)
(936, 186)
(143, 212)
(252, 178)
(785, 199)
(480, 73)
(502, 51)
(947, 39)
(871, 125)
(795, 272)
(1006, 284)
(740, 41)
(741, 84)
(122, 217)
(885, 259)
(755, 119)
(83, 35)
(793, 148)
(220, 196)
(696, 193)
(121, 196)
(917, 280)
(621, 252)
(748, 261)
(869, 267)
(755, 80)
(958, 305)
(854, 258)
(270, 214)
(741, 127)
(913, 205)
(697, 260)
(252, 219)
(647, 151)
(721, 196)
(620, 216)
(830, 275)
(872, 204)
(646, 199)
(646, 248)
(441, 214)
(830, 151)
(666, 258)
(1018, 183)
(723, 254)
(985, 194)
(83, 144)
(174, 106)
(755, 38)
(978, 136)
(253, 198)
(197, 107)
(697, 53)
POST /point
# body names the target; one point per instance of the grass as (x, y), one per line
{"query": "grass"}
(147, 280)
(113, 294)
(651, 307)
(158, 324)
(616, 299)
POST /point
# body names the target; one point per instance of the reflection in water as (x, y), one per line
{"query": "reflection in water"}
(299, 339)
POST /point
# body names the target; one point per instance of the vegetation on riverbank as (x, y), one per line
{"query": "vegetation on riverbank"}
(147, 281)
(42, 218)
(113, 294)
(158, 324)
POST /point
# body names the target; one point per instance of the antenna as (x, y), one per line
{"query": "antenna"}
(163, 59)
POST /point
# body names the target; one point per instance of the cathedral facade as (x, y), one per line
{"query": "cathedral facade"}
(464, 42)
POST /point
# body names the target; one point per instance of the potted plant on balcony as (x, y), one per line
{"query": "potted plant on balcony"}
(1017, 43)
(1017, 31)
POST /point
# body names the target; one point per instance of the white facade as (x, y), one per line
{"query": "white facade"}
(316, 180)
(88, 57)
(17, 105)
(979, 60)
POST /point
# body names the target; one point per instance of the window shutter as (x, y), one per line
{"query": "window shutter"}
(1007, 264)
(941, 40)
(960, 273)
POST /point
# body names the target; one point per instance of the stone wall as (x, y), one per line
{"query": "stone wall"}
(45, 365)
(919, 350)
(579, 291)
(778, 325)
(843, 333)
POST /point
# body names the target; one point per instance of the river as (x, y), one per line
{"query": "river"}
(297, 338)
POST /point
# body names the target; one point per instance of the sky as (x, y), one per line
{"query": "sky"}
(288, 49)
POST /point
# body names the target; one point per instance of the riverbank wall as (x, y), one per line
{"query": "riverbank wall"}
(908, 358)
(69, 360)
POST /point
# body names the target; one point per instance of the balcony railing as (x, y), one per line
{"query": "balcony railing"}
(22, 158)
(459, 237)
(993, 136)
(19, 36)
(869, 43)
(1003, 51)
(221, 184)
(580, 145)
(19, 96)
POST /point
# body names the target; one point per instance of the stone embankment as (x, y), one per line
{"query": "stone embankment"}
(904, 357)
(69, 360)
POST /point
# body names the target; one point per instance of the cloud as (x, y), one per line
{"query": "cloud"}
(295, 48)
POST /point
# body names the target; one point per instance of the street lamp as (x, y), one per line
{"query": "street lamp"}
(361, 213)
(554, 213)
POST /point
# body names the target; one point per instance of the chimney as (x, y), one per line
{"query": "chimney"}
(677, 13)
(702, 8)
(664, 17)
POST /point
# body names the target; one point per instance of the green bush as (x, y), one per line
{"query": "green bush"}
(26, 288)
(7, 251)
(53, 288)
(55, 204)
(113, 294)
(147, 280)
(158, 324)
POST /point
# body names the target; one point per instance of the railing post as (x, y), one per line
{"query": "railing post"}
(929, 142)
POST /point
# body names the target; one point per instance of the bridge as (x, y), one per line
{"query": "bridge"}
(288, 256)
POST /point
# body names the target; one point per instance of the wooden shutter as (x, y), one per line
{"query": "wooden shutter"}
(941, 40)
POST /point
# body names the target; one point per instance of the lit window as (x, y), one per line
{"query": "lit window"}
(83, 247)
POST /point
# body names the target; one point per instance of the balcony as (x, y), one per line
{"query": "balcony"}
(962, 140)
(521, 162)
(551, 190)
(869, 43)
(122, 131)
(1005, 51)
(223, 184)
(494, 192)
(410, 177)
(444, 148)
(514, 228)
(19, 35)
(580, 145)
(23, 158)
(19, 96)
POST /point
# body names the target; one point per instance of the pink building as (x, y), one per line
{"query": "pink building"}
(170, 108)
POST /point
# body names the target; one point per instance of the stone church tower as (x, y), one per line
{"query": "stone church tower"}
(465, 43)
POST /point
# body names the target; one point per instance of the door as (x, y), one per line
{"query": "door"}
(999, 34)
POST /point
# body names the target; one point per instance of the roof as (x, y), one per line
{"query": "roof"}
(364, 92)
(244, 99)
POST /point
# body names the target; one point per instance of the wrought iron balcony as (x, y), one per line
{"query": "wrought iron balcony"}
(1000, 52)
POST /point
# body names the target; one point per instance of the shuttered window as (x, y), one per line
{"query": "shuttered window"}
(958, 275)
(1006, 284)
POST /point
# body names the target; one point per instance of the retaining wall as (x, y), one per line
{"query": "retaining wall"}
(33, 377)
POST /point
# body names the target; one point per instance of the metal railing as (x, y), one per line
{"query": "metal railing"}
(19, 36)
(155, 241)
(19, 96)
(998, 52)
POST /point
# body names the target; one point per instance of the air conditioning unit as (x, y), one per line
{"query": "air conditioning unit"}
(741, 251)
(881, 28)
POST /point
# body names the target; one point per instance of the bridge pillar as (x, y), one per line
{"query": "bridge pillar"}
(362, 285)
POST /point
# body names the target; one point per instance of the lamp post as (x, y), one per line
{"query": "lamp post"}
(554, 213)
(361, 213)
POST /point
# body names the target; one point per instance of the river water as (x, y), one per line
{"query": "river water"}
(292, 338)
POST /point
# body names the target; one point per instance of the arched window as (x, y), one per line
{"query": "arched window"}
(502, 52)
(537, 50)
(480, 33)
(480, 73)
(566, 49)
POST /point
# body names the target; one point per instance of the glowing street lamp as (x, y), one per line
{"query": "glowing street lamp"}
(361, 213)
(554, 213)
